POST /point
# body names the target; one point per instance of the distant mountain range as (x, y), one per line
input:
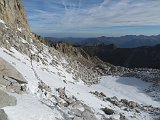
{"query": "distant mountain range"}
(66, 39)
(128, 41)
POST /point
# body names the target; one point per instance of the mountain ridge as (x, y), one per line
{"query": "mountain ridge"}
(139, 57)
(127, 41)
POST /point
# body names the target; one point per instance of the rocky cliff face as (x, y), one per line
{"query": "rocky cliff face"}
(13, 14)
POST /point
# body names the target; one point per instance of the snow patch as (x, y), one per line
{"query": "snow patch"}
(1, 21)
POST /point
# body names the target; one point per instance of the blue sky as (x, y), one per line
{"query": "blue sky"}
(92, 18)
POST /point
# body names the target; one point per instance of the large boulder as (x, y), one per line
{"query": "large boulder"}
(108, 111)
(7, 70)
(10, 77)
(6, 100)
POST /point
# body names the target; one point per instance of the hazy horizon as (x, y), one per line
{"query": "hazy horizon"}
(99, 36)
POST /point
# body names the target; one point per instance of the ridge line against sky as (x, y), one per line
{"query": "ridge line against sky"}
(92, 18)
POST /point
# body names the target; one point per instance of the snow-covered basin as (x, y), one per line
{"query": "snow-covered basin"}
(121, 87)
(126, 88)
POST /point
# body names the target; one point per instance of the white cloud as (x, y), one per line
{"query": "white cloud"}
(77, 15)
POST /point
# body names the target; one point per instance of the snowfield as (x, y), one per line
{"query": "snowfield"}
(32, 106)
(125, 87)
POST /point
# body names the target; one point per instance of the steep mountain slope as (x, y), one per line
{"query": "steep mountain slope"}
(38, 82)
(141, 57)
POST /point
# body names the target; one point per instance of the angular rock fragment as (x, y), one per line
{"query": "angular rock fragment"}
(108, 111)
(87, 115)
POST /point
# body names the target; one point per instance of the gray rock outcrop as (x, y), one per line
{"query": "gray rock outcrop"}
(12, 12)
(10, 78)
(3, 115)
(108, 111)
(6, 100)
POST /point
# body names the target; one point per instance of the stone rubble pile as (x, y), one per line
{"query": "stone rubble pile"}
(71, 107)
(125, 105)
